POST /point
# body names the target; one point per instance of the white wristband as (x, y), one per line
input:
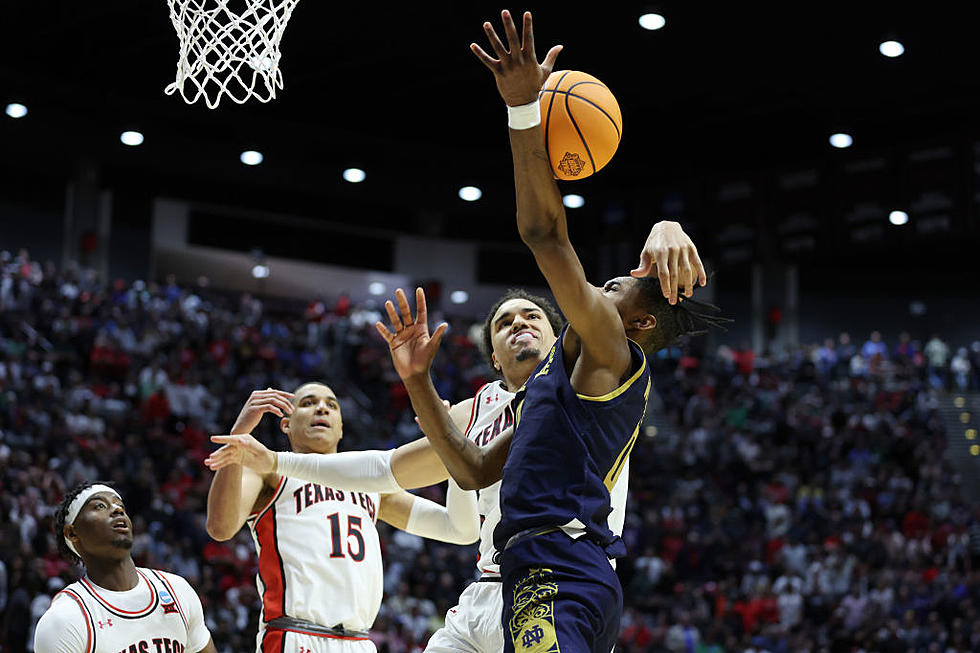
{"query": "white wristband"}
(524, 116)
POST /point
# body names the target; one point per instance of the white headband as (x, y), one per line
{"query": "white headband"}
(76, 506)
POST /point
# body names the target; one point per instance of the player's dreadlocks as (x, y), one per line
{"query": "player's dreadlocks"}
(61, 513)
(688, 317)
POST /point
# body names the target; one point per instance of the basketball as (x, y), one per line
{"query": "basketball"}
(581, 121)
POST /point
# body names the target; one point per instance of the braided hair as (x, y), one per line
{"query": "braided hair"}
(688, 317)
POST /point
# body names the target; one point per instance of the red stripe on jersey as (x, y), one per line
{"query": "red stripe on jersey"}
(476, 402)
(275, 495)
(89, 631)
(274, 641)
(153, 595)
(270, 567)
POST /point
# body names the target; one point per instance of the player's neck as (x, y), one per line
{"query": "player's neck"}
(115, 575)
(516, 378)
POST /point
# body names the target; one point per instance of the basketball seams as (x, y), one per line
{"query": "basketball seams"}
(584, 99)
(571, 117)
(547, 124)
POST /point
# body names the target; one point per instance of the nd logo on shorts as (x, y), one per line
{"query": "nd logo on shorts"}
(532, 628)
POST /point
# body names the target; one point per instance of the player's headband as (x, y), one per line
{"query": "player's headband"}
(75, 507)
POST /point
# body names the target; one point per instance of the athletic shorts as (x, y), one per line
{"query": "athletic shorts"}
(559, 594)
(274, 640)
(473, 626)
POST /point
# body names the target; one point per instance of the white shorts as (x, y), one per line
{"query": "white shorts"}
(287, 641)
(473, 626)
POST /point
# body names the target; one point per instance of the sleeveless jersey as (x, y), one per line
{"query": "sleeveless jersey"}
(569, 451)
(162, 613)
(319, 555)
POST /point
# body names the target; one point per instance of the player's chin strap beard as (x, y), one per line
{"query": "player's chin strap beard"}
(526, 354)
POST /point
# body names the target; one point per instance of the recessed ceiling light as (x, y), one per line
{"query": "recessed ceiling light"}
(470, 193)
(376, 288)
(260, 271)
(891, 49)
(132, 138)
(354, 175)
(898, 217)
(841, 140)
(652, 21)
(16, 110)
(573, 201)
(251, 157)
(459, 296)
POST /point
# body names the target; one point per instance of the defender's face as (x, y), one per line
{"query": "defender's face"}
(624, 293)
(520, 331)
(316, 424)
(102, 527)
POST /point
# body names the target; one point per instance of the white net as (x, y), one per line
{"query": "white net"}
(224, 52)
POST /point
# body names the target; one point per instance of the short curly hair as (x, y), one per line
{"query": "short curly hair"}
(550, 312)
(61, 514)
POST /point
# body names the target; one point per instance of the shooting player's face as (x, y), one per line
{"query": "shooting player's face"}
(625, 293)
(520, 333)
(316, 424)
(102, 528)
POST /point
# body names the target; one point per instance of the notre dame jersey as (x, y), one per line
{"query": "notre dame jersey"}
(568, 452)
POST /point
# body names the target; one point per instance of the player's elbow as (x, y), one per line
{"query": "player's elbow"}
(219, 530)
(537, 231)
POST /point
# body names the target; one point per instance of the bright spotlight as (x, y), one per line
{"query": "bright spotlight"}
(376, 288)
(16, 110)
(131, 138)
(573, 201)
(470, 193)
(898, 217)
(841, 140)
(652, 21)
(354, 175)
(891, 49)
(459, 297)
(251, 157)
(260, 271)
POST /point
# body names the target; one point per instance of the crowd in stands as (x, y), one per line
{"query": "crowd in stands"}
(782, 503)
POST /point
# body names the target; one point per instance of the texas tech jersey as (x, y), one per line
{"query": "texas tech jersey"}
(493, 415)
(319, 555)
(162, 613)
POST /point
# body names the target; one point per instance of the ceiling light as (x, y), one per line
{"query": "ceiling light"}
(260, 271)
(652, 21)
(573, 201)
(898, 217)
(891, 49)
(459, 296)
(251, 157)
(841, 140)
(16, 110)
(376, 288)
(354, 175)
(131, 138)
(470, 193)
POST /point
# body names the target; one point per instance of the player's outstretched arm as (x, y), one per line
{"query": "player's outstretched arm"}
(458, 522)
(412, 351)
(540, 213)
(234, 488)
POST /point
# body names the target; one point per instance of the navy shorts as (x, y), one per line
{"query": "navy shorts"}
(560, 594)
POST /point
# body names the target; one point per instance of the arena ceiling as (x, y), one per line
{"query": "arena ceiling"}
(727, 115)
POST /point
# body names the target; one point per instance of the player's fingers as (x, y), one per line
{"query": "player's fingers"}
(495, 43)
(643, 269)
(672, 266)
(664, 275)
(421, 310)
(510, 29)
(527, 37)
(437, 335)
(486, 59)
(549, 60)
(396, 322)
(269, 406)
(698, 266)
(403, 306)
(385, 333)
(685, 275)
(224, 439)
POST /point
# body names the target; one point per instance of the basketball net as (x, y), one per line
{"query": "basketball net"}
(227, 53)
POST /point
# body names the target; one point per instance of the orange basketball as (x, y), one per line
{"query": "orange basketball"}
(581, 121)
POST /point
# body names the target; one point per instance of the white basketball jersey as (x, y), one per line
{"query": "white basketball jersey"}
(162, 613)
(319, 555)
(493, 415)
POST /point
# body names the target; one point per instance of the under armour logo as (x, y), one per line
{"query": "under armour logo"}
(103, 624)
(532, 636)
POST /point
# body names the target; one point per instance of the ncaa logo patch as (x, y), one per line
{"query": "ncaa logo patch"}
(167, 602)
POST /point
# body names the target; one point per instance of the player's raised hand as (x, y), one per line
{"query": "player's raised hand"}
(671, 255)
(260, 402)
(241, 450)
(516, 68)
(412, 348)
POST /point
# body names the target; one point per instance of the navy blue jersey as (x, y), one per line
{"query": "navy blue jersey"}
(568, 451)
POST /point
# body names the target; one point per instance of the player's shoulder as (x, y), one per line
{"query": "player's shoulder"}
(63, 626)
(172, 582)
